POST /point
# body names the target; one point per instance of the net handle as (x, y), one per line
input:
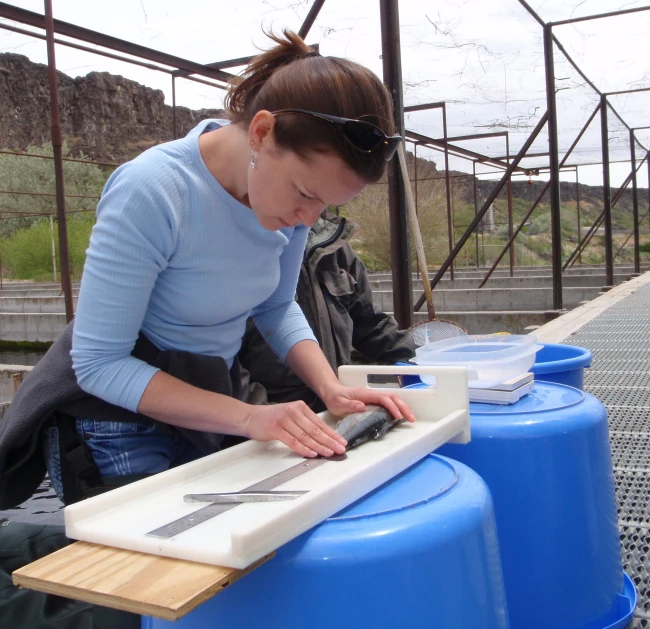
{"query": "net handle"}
(415, 228)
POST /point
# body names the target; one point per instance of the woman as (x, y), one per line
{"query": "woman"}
(336, 298)
(195, 235)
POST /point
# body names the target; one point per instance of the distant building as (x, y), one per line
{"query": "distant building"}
(488, 220)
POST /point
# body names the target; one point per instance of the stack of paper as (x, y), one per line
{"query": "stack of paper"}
(507, 392)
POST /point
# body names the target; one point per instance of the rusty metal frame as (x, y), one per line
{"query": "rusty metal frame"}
(103, 53)
(478, 136)
(181, 67)
(458, 151)
(308, 22)
(550, 41)
(446, 148)
(23, 16)
(477, 218)
(540, 196)
(178, 67)
(450, 226)
(596, 224)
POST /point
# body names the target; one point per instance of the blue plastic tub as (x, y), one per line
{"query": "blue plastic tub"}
(421, 551)
(547, 462)
(563, 364)
(408, 380)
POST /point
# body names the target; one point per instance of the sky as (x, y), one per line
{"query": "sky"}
(484, 58)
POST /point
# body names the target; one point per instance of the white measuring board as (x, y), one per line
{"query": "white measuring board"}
(239, 537)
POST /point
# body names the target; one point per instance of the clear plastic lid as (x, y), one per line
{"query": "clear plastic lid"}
(479, 348)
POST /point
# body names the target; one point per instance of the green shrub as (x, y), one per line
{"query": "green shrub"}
(27, 253)
(83, 184)
(26, 245)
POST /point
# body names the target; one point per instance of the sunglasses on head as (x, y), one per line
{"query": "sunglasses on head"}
(363, 136)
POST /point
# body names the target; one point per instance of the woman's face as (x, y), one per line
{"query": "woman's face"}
(285, 190)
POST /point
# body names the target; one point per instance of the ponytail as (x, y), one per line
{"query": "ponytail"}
(291, 76)
(260, 70)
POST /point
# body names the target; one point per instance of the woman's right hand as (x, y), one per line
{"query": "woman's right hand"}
(295, 425)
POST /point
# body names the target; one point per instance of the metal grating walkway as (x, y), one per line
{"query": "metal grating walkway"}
(619, 376)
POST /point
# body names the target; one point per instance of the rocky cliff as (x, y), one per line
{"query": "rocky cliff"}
(105, 116)
(110, 118)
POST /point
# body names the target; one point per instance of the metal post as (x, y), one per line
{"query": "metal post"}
(415, 177)
(483, 247)
(53, 248)
(450, 229)
(400, 246)
(530, 205)
(475, 208)
(510, 228)
(554, 163)
(174, 132)
(311, 18)
(607, 194)
(453, 215)
(66, 283)
(578, 209)
(510, 220)
(635, 203)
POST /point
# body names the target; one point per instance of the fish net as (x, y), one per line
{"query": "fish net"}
(435, 330)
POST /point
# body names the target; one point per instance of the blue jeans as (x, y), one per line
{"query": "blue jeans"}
(120, 449)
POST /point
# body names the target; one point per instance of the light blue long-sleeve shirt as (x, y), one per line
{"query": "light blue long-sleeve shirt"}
(175, 256)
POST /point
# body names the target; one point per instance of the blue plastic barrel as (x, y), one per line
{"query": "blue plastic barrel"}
(408, 380)
(564, 364)
(421, 551)
(547, 462)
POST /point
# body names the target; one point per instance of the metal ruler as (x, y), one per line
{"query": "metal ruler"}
(206, 513)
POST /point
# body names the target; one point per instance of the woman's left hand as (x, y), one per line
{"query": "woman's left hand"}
(341, 400)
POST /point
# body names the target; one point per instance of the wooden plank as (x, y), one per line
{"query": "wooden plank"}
(144, 584)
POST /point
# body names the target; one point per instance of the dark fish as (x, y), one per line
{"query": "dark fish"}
(373, 423)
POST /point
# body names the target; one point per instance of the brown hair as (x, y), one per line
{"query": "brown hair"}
(288, 77)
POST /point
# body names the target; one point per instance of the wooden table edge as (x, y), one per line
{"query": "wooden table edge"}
(22, 578)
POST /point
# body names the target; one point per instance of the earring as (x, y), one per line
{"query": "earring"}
(253, 159)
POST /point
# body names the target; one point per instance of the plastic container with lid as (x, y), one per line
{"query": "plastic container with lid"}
(490, 359)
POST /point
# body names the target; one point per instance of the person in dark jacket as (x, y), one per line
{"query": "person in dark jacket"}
(335, 295)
